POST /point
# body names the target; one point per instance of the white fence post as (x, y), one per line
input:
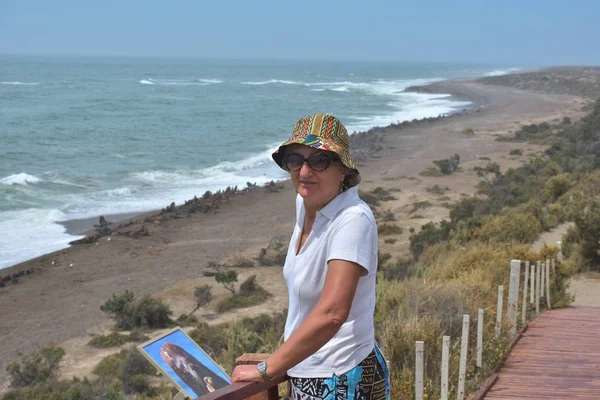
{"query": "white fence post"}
(479, 338)
(542, 281)
(513, 296)
(532, 288)
(548, 285)
(419, 371)
(499, 310)
(445, 358)
(464, 346)
(524, 306)
(537, 288)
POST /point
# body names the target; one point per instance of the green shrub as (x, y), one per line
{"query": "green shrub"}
(516, 152)
(448, 165)
(468, 132)
(520, 228)
(568, 242)
(389, 229)
(401, 269)
(36, 367)
(227, 279)
(103, 341)
(382, 258)
(250, 294)
(419, 205)
(187, 320)
(109, 367)
(242, 262)
(430, 234)
(438, 190)
(587, 223)
(431, 171)
(555, 187)
(137, 384)
(202, 295)
(375, 196)
(390, 240)
(134, 363)
(130, 313)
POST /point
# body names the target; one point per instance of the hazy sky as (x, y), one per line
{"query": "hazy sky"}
(518, 32)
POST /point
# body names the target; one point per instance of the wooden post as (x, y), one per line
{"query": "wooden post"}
(537, 288)
(419, 371)
(548, 285)
(445, 358)
(513, 300)
(559, 255)
(479, 339)
(255, 359)
(532, 288)
(524, 306)
(542, 280)
(499, 310)
(462, 370)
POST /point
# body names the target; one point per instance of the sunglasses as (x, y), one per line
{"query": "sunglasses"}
(317, 162)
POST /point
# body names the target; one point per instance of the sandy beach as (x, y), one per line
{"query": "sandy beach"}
(60, 302)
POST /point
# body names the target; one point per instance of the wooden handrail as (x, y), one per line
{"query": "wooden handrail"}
(243, 390)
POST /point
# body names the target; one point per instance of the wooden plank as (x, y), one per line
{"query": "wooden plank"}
(557, 358)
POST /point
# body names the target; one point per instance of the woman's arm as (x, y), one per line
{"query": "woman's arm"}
(323, 322)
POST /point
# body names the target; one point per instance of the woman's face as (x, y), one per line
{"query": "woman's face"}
(317, 188)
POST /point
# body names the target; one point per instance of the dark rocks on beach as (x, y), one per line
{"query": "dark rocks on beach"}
(102, 228)
(143, 231)
(85, 240)
(274, 187)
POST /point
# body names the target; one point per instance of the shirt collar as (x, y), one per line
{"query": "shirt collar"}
(339, 202)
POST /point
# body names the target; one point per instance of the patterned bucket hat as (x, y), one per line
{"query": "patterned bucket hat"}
(319, 131)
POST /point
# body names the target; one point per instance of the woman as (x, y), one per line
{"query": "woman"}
(329, 350)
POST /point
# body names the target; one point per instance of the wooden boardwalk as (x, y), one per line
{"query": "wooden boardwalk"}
(558, 357)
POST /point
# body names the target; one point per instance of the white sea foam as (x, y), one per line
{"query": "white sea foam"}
(31, 226)
(500, 72)
(270, 81)
(215, 81)
(180, 82)
(20, 83)
(19, 179)
(410, 106)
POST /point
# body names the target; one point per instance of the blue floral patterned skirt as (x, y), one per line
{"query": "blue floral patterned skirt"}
(370, 380)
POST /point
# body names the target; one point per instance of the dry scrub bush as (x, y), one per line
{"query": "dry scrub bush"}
(389, 229)
(521, 228)
(36, 367)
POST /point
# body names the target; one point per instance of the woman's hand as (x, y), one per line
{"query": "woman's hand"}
(246, 373)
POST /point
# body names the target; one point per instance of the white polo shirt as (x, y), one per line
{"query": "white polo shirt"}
(344, 229)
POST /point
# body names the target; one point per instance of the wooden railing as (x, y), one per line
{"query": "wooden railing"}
(248, 390)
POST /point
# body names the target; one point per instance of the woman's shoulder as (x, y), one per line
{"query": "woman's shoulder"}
(357, 212)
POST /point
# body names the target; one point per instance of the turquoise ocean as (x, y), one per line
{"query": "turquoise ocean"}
(83, 137)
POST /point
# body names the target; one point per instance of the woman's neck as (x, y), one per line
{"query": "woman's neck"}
(312, 209)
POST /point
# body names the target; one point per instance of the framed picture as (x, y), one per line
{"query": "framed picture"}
(180, 359)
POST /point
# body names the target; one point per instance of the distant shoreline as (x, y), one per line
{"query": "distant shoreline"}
(85, 226)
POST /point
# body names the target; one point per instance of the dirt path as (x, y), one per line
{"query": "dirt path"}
(585, 286)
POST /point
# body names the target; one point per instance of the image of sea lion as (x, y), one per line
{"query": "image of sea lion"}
(197, 376)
